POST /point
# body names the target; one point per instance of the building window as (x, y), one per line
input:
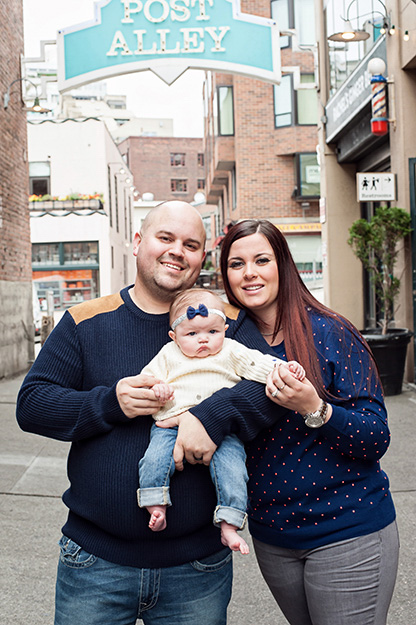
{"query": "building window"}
(307, 102)
(81, 253)
(297, 14)
(304, 21)
(225, 111)
(116, 200)
(179, 185)
(110, 196)
(177, 159)
(201, 159)
(308, 175)
(40, 178)
(234, 188)
(283, 102)
(125, 268)
(280, 12)
(200, 184)
(207, 225)
(290, 106)
(46, 254)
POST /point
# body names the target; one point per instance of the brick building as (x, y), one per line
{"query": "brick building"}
(260, 139)
(16, 336)
(168, 167)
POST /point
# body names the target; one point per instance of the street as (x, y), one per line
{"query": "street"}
(33, 476)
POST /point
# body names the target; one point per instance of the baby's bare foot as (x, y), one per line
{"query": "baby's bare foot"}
(230, 538)
(157, 521)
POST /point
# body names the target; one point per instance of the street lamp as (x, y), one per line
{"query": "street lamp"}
(36, 106)
(351, 34)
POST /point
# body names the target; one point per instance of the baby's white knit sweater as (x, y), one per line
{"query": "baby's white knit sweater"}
(195, 379)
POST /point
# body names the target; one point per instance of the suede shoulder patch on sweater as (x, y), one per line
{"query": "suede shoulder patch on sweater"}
(91, 308)
(231, 312)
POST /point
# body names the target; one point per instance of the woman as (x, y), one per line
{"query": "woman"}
(320, 513)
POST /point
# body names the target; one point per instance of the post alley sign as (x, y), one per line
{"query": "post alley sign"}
(168, 37)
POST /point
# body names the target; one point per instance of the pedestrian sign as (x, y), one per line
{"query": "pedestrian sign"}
(376, 186)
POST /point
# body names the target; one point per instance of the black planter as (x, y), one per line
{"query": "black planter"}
(389, 351)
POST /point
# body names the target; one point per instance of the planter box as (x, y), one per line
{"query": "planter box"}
(389, 351)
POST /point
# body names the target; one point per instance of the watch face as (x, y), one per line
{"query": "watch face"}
(314, 421)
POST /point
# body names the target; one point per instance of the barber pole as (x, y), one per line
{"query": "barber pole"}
(379, 121)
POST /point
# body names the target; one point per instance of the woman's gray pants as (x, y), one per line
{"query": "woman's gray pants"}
(346, 583)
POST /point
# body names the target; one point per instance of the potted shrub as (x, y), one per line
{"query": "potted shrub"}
(375, 243)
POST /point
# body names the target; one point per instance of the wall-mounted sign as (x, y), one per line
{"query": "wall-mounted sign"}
(376, 187)
(313, 174)
(300, 227)
(168, 37)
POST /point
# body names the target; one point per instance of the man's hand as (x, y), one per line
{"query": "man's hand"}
(192, 443)
(135, 396)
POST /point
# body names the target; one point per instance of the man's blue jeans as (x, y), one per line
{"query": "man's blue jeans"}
(227, 468)
(92, 591)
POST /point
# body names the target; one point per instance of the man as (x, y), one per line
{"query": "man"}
(83, 388)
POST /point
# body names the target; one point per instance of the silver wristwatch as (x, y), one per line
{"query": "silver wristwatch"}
(316, 419)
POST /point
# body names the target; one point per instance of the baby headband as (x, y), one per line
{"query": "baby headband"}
(202, 310)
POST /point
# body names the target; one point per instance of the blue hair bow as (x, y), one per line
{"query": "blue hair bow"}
(202, 310)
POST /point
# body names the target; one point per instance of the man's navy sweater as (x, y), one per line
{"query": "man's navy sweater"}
(69, 394)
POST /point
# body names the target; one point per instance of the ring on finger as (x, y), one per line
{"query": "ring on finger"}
(275, 393)
(198, 458)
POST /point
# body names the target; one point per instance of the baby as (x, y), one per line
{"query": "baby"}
(198, 362)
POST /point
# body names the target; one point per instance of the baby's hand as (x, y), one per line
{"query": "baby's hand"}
(163, 392)
(296, 369)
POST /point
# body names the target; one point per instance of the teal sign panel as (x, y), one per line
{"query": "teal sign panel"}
(168, 37)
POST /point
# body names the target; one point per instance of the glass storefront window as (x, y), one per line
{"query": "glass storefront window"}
(307, 254)
(69, 287)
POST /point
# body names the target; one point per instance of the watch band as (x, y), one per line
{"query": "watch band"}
(316, 419)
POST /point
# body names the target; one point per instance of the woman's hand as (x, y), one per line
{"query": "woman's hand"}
(135, 396)
(192, 442)
(284, 389)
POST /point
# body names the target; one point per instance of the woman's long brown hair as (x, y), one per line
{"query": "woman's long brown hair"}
(293, 299)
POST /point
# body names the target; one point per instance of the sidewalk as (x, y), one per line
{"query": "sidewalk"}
(33, 477)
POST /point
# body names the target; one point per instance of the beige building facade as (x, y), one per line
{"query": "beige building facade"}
(348, 147)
